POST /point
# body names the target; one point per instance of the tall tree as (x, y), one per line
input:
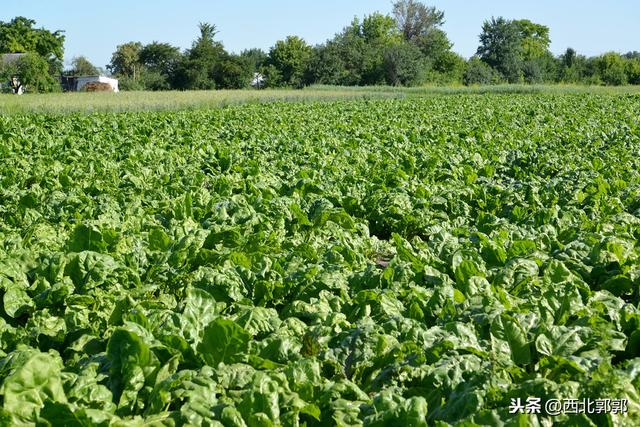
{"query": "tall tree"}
(206, 48)
(501, 48)
(287, 62)
(633, 69)
(568, 58)
(534, 39)
(159, 61)
(198, 68)
(379, 36)
(125, 61)
(20, 35)
(160, 57)
(403, 64)
(379, 28)
(420, 25)
(233, 72)
(570, 66)
(415, 19)
(518, 49)
(340, 60)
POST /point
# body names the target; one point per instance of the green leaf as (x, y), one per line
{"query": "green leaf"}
(33, 379)
(16, 301)
(506, 330)
(223, 341)
(559, 341)
(159, 240)
(86, 238)
(132, 364)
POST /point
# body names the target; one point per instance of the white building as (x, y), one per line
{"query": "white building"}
(81, 81)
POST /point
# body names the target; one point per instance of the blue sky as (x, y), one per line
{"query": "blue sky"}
(94, 29)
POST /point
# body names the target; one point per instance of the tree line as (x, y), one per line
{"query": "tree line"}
(406, 47)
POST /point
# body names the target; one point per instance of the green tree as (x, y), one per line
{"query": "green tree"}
(534, 39)
(501, 48)
(611, 69)
(415, 19)
(198, 68)
(160, 57)
(442, 64)
(403, 64)
(125, 61)
(569, 58)
(159, 62)
(380, 29)
(287, 62)
(342, 58)
(446, 68)
(434, 44)
(233, 72)
(33, 71)
(633, 70)
(571, 67)
(518, 49)
(256, 58)
(20, 36)
(420, 25)
(379, 35)
(337, 62)
(478, 72)
(206, 50)
(81, 66)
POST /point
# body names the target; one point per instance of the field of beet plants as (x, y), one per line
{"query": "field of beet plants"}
(444, 260)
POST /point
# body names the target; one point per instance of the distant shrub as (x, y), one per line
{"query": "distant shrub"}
(633, 71)
(479, 73)
(611, 68)
(126, 83)
(532, 72)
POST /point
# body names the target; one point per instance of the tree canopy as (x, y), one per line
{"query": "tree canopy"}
(125, 61)
(406, 46)
(20, 36)
(287, 62)
(81, 66)
(501, 48)
(415, 19)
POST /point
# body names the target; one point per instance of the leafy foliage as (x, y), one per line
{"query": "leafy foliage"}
(353, 263)
(33, 72)
(81, 66)
(501, 47)
(287, 62)
(20, 36)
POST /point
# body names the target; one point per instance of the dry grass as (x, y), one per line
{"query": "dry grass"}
(62, 103)
(172, 100)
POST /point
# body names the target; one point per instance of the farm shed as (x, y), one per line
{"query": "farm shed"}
(73, 84)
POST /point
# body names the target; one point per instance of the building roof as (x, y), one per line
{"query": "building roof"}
(9, 58)
(96, 76)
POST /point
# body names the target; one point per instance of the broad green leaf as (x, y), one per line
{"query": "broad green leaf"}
(507, 335)
(223, 341)
(31, 379)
